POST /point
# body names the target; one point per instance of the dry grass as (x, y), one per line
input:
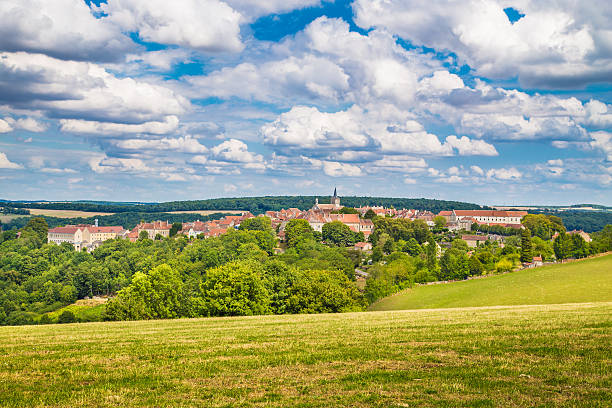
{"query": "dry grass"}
(66, 213)
(513, 356)
(91, 302)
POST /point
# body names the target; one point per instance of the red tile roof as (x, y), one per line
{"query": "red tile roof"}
(68, 229)
(115, 229)
(473, 238)
(484, 213)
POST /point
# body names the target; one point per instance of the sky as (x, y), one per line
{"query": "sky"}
(485, 101)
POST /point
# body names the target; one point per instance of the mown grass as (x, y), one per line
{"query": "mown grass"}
(587, 280)
(521, 356)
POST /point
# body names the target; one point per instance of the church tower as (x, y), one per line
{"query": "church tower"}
(335, 199)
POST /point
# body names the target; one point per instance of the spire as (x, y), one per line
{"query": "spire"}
(335, 194)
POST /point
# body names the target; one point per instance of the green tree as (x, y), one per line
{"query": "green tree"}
(369, 214)
(476, 267)
(348, 210)
(562, 246)
(297, 229)
(35, 231)
(543, 226)
(235, 289)
(579, 246)
(602, 240)
(460, 245)
(175, 228)
(337, 233)
(143, 235)
(388, 246)
(413, 248)
(323, 292)
(542, 248)
(431, 256)
(504, 265)
(526, 246)
(377, 254)
(256, 224)
(439, 222)
(454, 264)
(156, 295)
(67, 316)
(68, 294)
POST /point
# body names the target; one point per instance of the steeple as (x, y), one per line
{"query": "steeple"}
(335, 199)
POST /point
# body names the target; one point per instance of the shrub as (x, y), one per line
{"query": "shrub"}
(504, 265)
(67, 317)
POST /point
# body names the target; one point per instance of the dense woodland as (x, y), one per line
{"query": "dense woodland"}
(127, 220)
(256, 205)
(589, 221)
(244, 273)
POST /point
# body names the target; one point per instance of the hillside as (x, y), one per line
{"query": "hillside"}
(256, 205)
(519, 356)
(582, 281)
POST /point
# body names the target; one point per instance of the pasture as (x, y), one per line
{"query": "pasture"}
(516, 356)
(588, 280)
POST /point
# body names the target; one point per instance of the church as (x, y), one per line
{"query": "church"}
(327, 208)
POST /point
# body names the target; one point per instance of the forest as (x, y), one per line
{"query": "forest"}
(127, 220)
(589, 221)
(235, 274)
(256, 205)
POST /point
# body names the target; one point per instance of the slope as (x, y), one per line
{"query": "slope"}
(581, 281)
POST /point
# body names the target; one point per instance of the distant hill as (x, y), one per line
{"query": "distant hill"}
(589, 280)
(256, 205)
(126, 219)
(589, 221)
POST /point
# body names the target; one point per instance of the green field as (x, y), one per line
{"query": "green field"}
(582, 281)
(521, 356)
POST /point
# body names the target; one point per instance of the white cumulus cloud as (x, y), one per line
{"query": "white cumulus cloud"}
(204, 25)
(5, 163)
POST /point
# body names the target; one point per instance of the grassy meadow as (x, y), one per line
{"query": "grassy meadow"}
(587, 280)
(520, 356)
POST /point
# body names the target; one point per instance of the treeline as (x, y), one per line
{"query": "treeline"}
(14, 210)
(235, 274)
(589, 221)
(404, 254)
(127, 220)
(495, 229)
(256, 205)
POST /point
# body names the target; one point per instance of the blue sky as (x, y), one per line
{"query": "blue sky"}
(491, 101)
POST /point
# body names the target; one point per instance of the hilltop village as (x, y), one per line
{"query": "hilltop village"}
(327, 258)
(89, 237)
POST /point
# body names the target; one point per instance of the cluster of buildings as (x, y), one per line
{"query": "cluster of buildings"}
(319, 215)
(463, 219)
(213, 228)
(84, 236)
(89, 237)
